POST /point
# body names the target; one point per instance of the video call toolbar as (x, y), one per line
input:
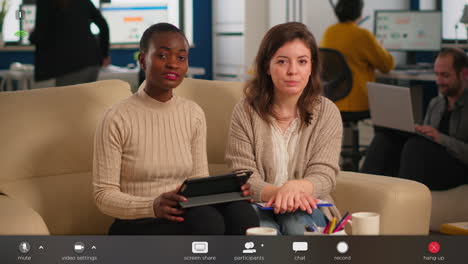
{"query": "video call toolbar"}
(234, 249)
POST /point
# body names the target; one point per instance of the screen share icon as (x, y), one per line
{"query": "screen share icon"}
(199, 247)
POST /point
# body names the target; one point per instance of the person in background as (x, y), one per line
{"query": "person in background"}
(363, 53)
(65, 47)
(442, 162)
(286, 132)
(148, 144)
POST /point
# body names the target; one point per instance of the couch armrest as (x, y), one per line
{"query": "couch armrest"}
(404, 206)
(18, 219)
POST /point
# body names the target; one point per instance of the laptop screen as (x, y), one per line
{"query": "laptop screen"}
(391, 106)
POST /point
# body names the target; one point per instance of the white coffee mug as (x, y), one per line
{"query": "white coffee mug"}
(365, 223)
(261, 231)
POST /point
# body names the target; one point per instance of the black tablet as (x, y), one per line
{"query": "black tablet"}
(214, 189)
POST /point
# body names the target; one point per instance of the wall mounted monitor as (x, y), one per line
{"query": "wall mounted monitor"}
(129, 19)
(402, 30)
(452, 29)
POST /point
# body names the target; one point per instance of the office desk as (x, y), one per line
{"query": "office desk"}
(25, 79)
(417, 91)
(408, 75)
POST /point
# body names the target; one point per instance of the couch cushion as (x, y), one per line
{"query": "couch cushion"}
(19, 218)
(217, 99)
(50, 131)
(449, 206)
(46, 140)
(64, 201)
(218, 169)
(397, 200)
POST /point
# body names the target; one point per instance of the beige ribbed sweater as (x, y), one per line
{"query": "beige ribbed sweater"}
(144, 148)
(315, 158)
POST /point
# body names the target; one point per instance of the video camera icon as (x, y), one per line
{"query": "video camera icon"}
(79, 247)
(199, 247)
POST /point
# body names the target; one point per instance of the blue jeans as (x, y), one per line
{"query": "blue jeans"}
(290, 223)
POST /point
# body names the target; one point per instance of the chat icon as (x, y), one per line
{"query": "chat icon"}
(200, 247)
(300, 246)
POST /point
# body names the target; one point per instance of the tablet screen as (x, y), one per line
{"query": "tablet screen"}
(214, 184)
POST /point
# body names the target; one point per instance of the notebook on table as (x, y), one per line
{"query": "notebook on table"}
(320, 203)
(460, 228)
(214, 189)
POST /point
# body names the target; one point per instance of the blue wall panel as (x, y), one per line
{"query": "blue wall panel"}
(201, 55)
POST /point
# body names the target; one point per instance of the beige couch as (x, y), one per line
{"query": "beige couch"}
(46, 140)
(449, 206)
(405, 205)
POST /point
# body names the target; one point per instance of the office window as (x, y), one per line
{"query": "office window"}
(96, 3)
(11, 24)
(452, 11)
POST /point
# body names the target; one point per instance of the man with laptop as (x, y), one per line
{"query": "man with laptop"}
(437, 153)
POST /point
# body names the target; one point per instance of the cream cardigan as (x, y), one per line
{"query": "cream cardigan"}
(315, 159)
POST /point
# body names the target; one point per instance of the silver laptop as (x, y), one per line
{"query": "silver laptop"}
(390, 106)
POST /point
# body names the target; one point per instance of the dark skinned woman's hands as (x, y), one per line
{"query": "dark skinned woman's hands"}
(167, 206)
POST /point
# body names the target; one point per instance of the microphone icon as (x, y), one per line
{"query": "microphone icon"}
(24, 247)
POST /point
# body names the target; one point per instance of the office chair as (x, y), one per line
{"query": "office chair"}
(337, 81)
(336, 76)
